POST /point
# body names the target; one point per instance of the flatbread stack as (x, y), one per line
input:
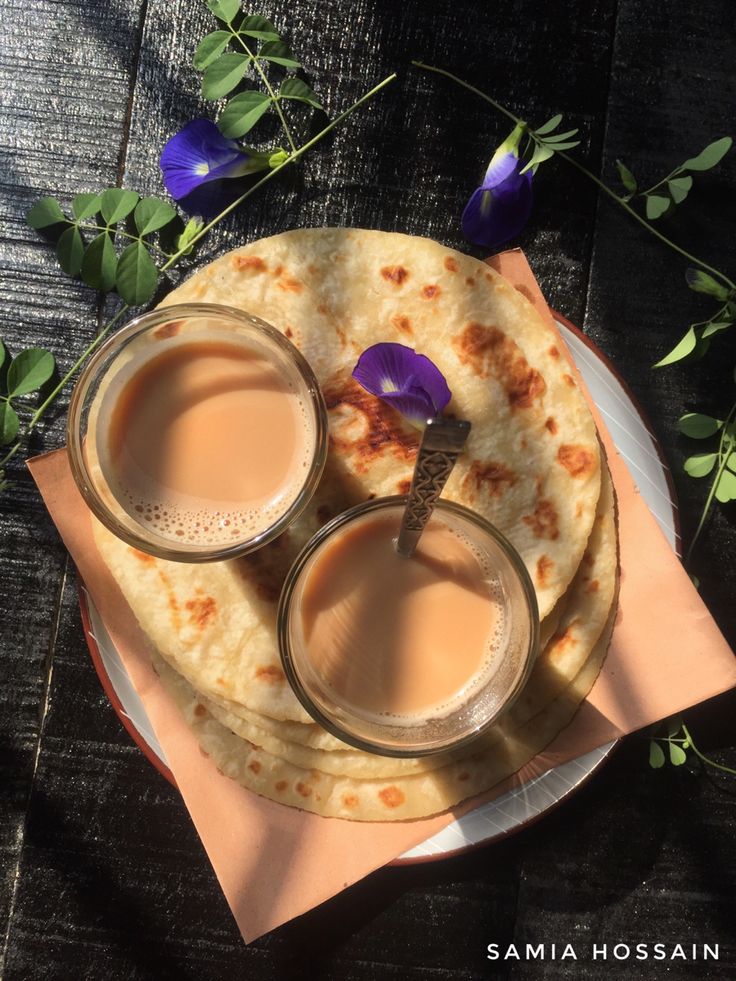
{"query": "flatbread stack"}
(532, 466)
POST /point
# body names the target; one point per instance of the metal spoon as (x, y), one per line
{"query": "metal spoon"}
(441, 444)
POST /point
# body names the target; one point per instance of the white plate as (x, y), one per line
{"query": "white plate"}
(526, 803)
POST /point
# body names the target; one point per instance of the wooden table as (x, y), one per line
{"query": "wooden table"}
(104, 876)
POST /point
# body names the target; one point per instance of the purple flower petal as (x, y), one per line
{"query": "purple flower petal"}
(199, 154)
(501, 206)
(408, 381)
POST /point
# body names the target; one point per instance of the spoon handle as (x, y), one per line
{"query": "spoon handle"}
(441, 444)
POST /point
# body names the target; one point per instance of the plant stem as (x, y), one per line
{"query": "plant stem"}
(119, 231)
(723, 459)
(292, 158)
(264, 79)
(584, 170)
(41, 410)
(703, 757)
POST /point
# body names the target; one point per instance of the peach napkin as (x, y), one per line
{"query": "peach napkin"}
(275, 862)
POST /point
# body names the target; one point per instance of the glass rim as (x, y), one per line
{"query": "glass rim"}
(284, 615)
(75, 440)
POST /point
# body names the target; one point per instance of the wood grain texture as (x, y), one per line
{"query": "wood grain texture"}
(105, 876)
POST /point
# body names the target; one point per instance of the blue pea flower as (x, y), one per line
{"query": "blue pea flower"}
(200, 155)
(408, 381)
(501, 206)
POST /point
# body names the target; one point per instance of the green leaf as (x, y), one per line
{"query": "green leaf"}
(697, 425)
(541, 153)
(259, 27)
(627, 178)
(564, 146)
(224, 9)
(681, 350)
(86, 205)
(9, 423)
(137, 275)
(223, 75)
(726, 488)
(152, 214)
(99, 263)
(45, 213)
(673, 726)
(117, 204)
(656, 206)
(29, 371)
(700, 465)
(710, 156)
(69, 250)
(716, 327)
(242, 113)
(679, 188)
(701, 282)
(677, 755)
(3, 356)
(561, 137)
(279, 53)
(191, 229)
(550, 125)
(295, 88)
(656, 755)
(209, 48)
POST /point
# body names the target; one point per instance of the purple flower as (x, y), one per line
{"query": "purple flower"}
(199, 154)
(500, 207)
(408, 381)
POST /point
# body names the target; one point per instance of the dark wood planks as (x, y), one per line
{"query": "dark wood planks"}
(113, 881)
(65, 79)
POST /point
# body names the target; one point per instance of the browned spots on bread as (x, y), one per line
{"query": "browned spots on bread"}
(377, 428)
(544, 567)
(270, 673)
(593, 586)
(543, 522)
(143, 557)
(554, 351)
(395, 274)
(171, 600)
(494, 477)
(304, 789)
(450, 264)
(289, 333)
(254, 263)
(278, 270)
(201, 609)
(323, 309)
(579, 509)
(402, 323)
(464, 775)
(392, 796)
(200, 710)
(430, 291)
(342, 337)
(289, 285)
(488, 351)
(470, 280)
(561, 641)
(551, 425)
(489, 277)
(170, 329)
(280, 785)
(569, 380)
(350, 800)
(588, 559)
(255, 766)
(404, 486)
(316, 775)
(578, 460)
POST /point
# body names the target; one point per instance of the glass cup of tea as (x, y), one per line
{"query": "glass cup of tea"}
(197, 432)
(407, 656)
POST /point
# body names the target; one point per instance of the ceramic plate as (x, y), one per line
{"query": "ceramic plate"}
(527, 803)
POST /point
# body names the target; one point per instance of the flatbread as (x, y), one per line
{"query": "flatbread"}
(582, 622)
(392, 799)
(532, 464)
